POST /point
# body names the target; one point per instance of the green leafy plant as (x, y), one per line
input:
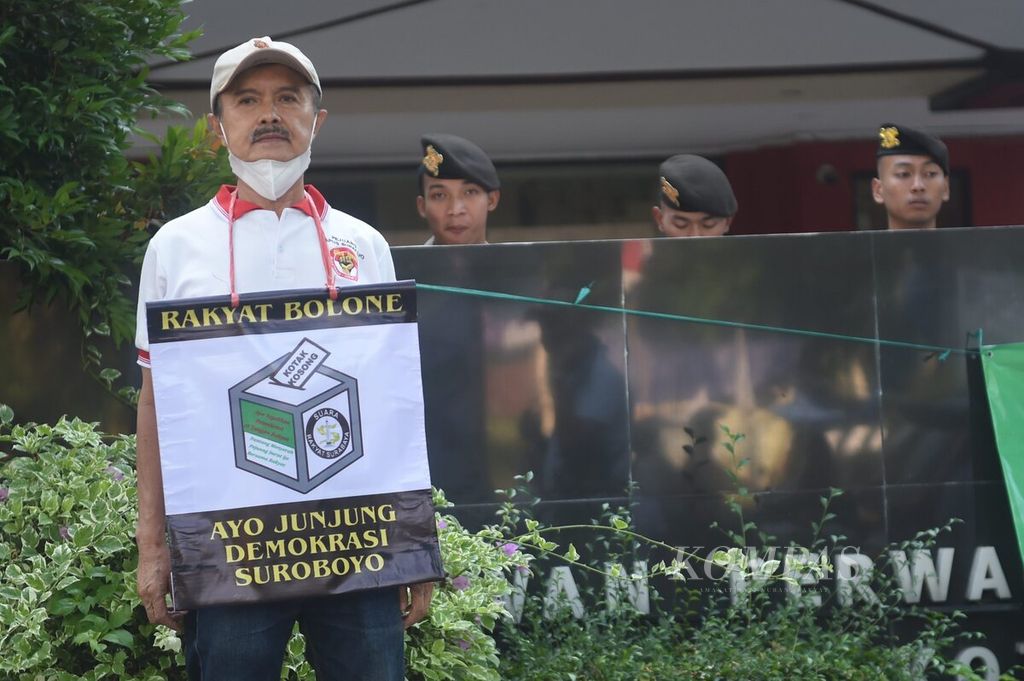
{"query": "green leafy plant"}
(75, 213)
(455, 640)
(186, 171)
(74, 84)
(68, 608)
(763, 623)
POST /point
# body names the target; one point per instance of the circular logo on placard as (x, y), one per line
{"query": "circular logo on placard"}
(328, 433)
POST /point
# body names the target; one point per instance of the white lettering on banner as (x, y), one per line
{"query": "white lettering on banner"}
(683, 559)
(739, 583)
(915, 574)
(919, 571)
(633, 587)
(919, 665)
(987, 657)
(516, 597)
(796, 570)
(853, 576)
(986, 575)
(562, 591)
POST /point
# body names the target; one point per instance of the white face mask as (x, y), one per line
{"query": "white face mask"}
(268, 178)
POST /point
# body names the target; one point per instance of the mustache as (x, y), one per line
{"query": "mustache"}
(264, 131)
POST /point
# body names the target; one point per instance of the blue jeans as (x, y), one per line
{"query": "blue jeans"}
(349, 637)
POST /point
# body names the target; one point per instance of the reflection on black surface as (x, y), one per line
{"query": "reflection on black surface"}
(487, 357)
(509, 390)
(587, 448)
(451, 331)
(591, 401)
(936, 288)
(687, 520)
(808, 407)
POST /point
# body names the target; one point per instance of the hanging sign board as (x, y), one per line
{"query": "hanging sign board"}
(292, 444)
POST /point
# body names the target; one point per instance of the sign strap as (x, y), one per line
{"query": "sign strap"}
(325, 254)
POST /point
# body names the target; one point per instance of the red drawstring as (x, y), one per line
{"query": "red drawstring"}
(325, 255)
(231, 249)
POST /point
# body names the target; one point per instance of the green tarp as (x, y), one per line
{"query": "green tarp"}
(1004, 383)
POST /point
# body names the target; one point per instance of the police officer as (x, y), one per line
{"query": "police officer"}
(458, 188)
(912, 176)
(694, 198)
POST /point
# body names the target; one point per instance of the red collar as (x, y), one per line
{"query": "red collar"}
(242, 206)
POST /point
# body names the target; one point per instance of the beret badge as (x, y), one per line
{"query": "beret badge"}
(433, 160)
(670, 191)
(890, 137)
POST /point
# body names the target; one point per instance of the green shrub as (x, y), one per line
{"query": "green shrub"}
(68, 608)
(759, 639)
(455, 640)
(761, 634)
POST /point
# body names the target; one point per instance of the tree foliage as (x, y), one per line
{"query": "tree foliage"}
(75, 212)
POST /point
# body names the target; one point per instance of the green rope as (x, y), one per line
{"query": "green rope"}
(943, 352)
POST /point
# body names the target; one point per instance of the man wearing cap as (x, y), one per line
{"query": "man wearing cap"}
(694, 198)
(269, 232)
(458, 188)
(913, 177)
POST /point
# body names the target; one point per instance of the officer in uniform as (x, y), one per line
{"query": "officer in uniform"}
(695, 198)
(913, 177)
(458, 188)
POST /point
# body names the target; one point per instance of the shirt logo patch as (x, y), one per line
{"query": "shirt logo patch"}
(346, 263)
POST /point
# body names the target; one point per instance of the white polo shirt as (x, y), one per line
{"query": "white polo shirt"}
(189, 256)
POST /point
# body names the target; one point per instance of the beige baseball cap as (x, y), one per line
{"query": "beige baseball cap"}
(254, 52)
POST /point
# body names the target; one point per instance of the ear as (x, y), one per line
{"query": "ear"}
(214, 126)
(945, 189)
(876, 191)
(728, 224)
(421, 206)
(492, 199)
(656, 216)
(318, 122)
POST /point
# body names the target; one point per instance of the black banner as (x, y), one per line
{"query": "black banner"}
(302, 549)
(214, 316)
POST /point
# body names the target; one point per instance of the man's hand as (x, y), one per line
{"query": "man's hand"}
(154, 585)
(414, 601)
(154, 573)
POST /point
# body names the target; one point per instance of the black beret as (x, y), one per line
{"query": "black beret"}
(449, 157)
(696, 185)
(898, 140)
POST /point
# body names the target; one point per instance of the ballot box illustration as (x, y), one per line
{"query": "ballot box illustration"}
(296, 420)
